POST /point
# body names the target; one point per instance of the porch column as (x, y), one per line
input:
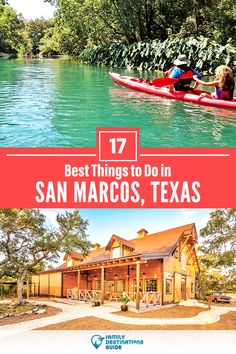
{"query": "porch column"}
(102, 285)
(27, 290)
(137, 283)
(128, 278)
(78, 284)
(78, 280)
(173, 290)
(162, 279)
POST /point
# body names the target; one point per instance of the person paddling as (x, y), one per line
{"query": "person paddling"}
(224, 84)
(182, 71)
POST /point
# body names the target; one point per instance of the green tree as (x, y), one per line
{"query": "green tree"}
(224, 22)
(10, 30)
(27, 242)
(36, 30)
(211, 279)
(50, 42)
(131, 21)
(87, 24)
(220, 239)
(99, 21)
(218, 252)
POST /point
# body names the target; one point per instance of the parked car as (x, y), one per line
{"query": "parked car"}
(218, 296)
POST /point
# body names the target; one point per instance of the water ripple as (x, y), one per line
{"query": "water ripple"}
(59, 103)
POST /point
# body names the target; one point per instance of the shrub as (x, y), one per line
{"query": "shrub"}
(204, 53)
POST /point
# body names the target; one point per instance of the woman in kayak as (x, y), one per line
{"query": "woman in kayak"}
(182, 71)
(224, 84)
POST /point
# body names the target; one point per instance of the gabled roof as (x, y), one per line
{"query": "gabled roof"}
(75, 255)
(120, 240)
(154, 246)
(142, 230)
(62, 266)
(96, 255)
(160, 244)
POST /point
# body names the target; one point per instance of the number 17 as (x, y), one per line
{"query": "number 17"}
(117, 145)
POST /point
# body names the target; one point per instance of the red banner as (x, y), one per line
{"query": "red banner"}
(117, 173)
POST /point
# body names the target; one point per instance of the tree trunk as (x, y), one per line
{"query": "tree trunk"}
(20, 285)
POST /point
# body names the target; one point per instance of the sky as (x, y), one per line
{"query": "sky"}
(126, 222)
(31, 9)
(103, 223)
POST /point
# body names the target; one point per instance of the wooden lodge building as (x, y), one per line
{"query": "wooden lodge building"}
(163, 264)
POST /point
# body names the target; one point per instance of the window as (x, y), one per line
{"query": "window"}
(116, 252)
(169, 284)
(115, 285)
(120, 285)
(176, 253)
(110, 285)
(98, 285)
(151, 285)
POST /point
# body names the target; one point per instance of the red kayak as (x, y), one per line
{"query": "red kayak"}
(135, 84)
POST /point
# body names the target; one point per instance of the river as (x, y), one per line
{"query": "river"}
(60, 103)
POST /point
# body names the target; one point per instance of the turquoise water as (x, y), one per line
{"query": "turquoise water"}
(58, 103)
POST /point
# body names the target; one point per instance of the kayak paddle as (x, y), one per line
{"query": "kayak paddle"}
(167, 81)
(164, 81)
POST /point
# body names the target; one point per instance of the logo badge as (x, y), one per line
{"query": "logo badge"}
(97, 340)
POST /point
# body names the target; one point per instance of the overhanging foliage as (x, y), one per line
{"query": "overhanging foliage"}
(204, 53)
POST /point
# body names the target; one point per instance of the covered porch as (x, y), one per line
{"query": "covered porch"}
(146, 299)
(140, 280)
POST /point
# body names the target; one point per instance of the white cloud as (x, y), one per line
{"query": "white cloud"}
(32, 9)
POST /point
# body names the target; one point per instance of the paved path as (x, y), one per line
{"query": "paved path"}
(106, 312)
